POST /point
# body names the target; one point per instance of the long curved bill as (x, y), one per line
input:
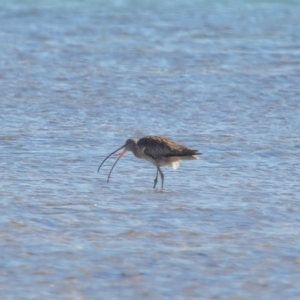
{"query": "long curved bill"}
(120, 155)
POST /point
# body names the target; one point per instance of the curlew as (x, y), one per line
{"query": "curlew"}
(160, 151)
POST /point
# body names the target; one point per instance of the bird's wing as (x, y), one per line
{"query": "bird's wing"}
(155, 147)
(158, 147)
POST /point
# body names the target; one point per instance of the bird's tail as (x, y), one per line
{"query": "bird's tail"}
(192, 154)
(195, 156)
(187, 153)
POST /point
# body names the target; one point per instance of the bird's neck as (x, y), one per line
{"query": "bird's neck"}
(137, 152)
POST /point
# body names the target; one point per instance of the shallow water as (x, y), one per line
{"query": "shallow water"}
(78, 79)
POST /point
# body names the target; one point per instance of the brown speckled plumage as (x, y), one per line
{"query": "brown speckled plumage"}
(159, 150)
(157, 147)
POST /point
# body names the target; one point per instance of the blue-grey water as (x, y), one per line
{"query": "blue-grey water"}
(78, 78)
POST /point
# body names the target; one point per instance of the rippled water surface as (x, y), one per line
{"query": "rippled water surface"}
(79, 78)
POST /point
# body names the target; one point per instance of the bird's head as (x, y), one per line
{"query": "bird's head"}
(130, 145)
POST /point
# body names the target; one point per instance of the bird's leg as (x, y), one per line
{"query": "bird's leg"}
(162, 177)
(155, 180)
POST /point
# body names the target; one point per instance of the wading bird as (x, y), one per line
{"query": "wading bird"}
(160, 151)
